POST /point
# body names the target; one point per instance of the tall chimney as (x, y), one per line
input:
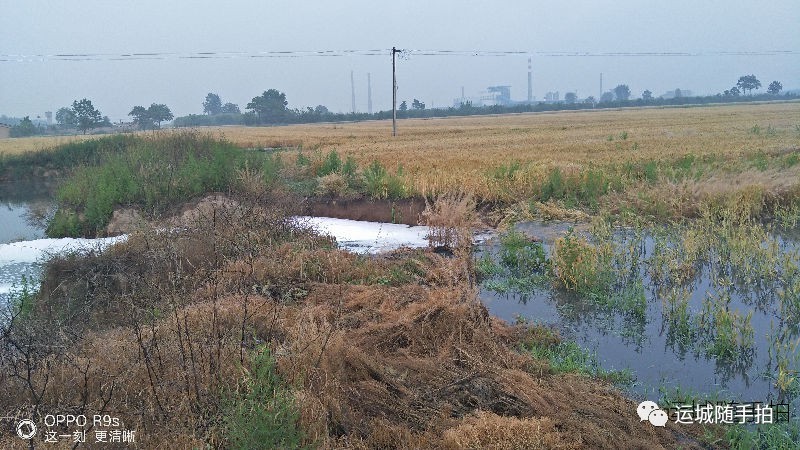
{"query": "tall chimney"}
(530, 82)
(369, 93)
(353, 91)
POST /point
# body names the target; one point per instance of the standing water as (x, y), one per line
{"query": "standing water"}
(713, 312)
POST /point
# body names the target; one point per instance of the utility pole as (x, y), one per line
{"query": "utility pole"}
(394, 93)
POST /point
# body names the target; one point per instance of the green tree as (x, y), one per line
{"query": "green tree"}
(647, 95)
(270, 106)
(607, 96)
(65, 117)
(748, 83)
(158, 113)
(147, 118)
(775, 88)
(570, 98)
(140, 117)
(24, 128)
(86, 116)
(212, 105)
(622, 92)
(734, 91)
(416, 104)
(403, 106)
(231, 108)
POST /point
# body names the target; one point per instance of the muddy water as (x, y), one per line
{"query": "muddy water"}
(645, 346)
(17, 201)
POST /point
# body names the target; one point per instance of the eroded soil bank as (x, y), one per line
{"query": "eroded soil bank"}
(405, 211)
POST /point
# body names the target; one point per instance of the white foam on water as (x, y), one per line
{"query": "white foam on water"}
(40, 249)
(368, 237)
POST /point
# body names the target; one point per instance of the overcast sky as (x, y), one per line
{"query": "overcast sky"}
(31, 84)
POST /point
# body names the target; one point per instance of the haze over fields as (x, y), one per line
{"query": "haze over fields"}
(196, 47)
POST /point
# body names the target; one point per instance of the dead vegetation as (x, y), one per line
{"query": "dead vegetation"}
(386, 352)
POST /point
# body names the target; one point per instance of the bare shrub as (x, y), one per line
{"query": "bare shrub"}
(451, 218)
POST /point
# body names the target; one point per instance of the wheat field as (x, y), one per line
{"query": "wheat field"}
(445, 153)
(442, 154)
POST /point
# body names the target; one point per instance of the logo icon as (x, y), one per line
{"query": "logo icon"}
(650, 411)
(26, 429)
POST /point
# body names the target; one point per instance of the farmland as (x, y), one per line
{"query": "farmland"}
(243, 322)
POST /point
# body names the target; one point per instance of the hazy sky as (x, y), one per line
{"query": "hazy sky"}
(31, 84)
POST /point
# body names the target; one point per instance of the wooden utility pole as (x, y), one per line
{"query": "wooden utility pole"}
(394, 94)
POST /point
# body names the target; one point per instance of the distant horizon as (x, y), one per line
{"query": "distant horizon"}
(122, 55)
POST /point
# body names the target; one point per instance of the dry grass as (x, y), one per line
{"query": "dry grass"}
(15, 146)
(447, 154)
(406, 364)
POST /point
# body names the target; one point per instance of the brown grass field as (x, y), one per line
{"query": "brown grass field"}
(481, 142)
(457, 153)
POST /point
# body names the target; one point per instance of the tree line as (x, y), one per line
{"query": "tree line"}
(271, 107)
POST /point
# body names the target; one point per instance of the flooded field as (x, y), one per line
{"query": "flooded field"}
(706, 311)
(709, 310)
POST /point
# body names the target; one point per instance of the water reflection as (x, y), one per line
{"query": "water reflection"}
(713, 321)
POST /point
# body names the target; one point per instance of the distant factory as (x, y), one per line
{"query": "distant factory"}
(501, 95)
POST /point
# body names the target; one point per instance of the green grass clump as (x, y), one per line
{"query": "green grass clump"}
(331, 164)
(583, 267)
(778, 436)
(567, 356)
(520, 266)
(521, 255)
(263, 413)
(152, 174)
(729, 334)
(380, 183)
(584, 188)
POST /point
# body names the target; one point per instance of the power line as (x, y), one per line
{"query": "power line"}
(133, 56)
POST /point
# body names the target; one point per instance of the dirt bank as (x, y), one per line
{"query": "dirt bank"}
(405, 211)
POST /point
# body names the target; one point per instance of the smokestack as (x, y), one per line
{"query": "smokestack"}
(369, 93)
(601, 85)
(530, 82)
(353, 91)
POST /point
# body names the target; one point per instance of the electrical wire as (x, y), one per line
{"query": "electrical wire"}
(406, 53)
